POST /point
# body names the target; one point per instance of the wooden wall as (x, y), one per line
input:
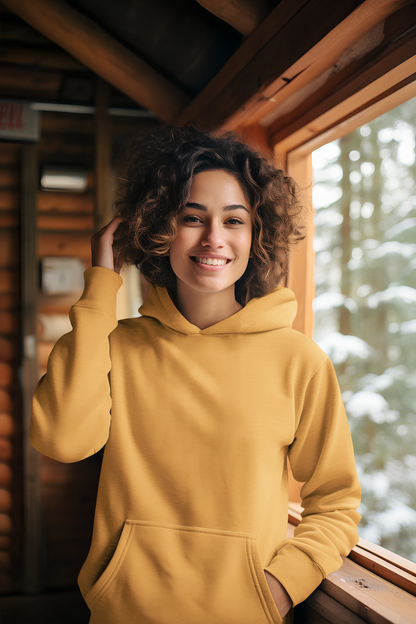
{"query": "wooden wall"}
(65, 223)
(10, 425)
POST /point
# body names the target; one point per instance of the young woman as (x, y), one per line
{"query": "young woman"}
(200, 401)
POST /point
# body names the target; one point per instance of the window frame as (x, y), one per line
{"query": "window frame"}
(374, 568)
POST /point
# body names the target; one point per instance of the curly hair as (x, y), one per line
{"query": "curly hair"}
(156, 187)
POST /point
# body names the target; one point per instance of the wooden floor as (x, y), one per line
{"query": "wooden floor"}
(57, 608)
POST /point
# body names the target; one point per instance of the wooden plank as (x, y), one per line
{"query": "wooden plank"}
(389, 556)
(6, 453)
(6, 400)
(282, 14)
(9, 279)
(60, 146)
(358, 31)
(385, 93)
(384, 569)
(5, 479)
(64, 244)
(20, 82)
(5, 524)
(67, 123)
(49, 201)
(9, 219)
(9, 199)
(9, 301)
(40, 58)
(8, 350)
(374, 599)
(33, 541)
(320, 608)
(292, 42)
(9, 177)
(90, 44)
(10, 154)
(65, 222)
(9, 250)
(392, 52)
(302, 256)
(9, 323)
(6, 371)
(6, 425)
(291, 67)
(243, 15)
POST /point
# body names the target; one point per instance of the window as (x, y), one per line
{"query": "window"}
(365, 309)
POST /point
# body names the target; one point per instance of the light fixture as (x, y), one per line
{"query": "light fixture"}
(63, 178)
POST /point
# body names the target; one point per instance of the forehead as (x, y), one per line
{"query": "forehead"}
(218, 184)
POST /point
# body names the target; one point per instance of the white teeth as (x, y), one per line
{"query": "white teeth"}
(213, 261)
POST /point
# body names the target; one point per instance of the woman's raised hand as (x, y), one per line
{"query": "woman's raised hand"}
(102, 247)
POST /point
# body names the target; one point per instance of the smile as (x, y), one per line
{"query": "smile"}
(211, 261)
(210, 264)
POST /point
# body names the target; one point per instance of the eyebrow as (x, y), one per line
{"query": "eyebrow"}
(225, 209)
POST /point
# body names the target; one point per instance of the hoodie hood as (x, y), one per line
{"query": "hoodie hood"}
(273, 311)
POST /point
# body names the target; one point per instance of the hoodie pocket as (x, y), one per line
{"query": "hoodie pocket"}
(166, 574)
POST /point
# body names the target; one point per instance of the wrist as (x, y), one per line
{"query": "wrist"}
(281, 597)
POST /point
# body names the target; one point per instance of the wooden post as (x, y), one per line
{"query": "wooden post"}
(33, 543)
(102, 190)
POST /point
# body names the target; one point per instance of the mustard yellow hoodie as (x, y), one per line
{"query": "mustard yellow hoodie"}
(197, 425)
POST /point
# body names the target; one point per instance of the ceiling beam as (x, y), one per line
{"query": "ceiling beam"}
(243, 15)
(279, 54)
(95, 48)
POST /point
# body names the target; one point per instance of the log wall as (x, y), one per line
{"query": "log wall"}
(10, 425)
(65, 223)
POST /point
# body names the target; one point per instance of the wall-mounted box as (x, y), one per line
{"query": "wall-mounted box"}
(60, 276)
(18, 121)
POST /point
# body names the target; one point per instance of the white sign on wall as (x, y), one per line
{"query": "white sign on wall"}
(18, 121)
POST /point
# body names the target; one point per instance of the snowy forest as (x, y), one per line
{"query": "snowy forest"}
(364, 197)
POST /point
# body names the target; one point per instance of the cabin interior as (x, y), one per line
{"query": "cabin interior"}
(77, 79)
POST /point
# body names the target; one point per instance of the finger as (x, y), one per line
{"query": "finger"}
(118, 263)
(110, 228)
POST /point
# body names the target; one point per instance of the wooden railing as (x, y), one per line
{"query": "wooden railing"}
(373, 585)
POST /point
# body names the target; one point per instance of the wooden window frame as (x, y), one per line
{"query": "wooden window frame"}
(373, 583)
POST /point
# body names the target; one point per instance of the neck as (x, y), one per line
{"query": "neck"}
(205, 309)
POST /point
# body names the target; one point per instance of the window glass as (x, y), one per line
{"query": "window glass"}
(365, 310)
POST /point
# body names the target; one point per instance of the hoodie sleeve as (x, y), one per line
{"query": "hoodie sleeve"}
(72, 401)
(322, 457)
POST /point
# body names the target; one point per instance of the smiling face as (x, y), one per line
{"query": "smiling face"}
(212, 247)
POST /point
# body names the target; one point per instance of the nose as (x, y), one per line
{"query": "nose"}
(213, 235)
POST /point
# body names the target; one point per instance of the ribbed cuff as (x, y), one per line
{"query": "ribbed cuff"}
(296, 571)
(100, 290)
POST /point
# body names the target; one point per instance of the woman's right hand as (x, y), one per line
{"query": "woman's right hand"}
(102, 247)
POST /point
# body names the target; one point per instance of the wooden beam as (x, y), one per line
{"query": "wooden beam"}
(277, 19)
(397, 45)
(279, 53)
(243, 15)
(90, 44)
